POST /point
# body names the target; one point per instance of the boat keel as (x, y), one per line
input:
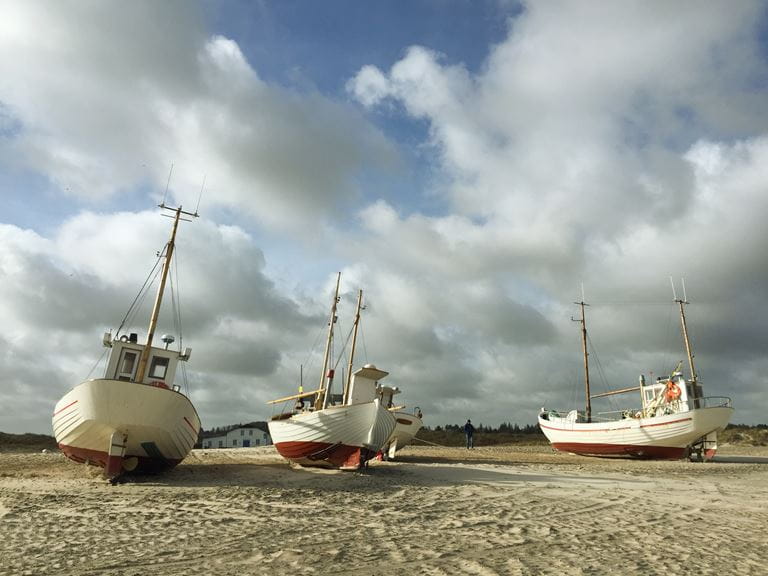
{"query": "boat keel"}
(115, 455)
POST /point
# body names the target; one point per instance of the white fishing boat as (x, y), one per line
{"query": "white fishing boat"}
(673, 421)
(342, 431)
(407, 424)
(134, 419)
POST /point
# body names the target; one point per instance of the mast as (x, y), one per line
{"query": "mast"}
(588, 407)
(326, 377)
(681, 302)
(159, 297)
(354, 344)
(694, 377)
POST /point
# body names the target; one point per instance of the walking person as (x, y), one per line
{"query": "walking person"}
(469, 430)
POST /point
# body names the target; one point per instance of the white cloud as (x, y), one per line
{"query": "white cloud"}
(107, 98)
(590, 149)
(609, 145)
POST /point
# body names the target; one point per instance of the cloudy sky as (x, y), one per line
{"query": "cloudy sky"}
(471, 166)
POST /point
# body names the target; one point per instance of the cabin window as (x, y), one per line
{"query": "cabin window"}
(127, 365)
(159, 368)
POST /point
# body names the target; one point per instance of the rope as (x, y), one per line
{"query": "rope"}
(430, 443)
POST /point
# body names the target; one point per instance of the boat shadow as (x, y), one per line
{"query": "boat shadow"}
(740, 459)
(380, 478)
(415, 470)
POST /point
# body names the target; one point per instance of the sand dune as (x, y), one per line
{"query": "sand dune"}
(497, 510)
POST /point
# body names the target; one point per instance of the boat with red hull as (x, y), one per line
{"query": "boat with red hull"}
(134, 419)
(338, 432)
(675, 419)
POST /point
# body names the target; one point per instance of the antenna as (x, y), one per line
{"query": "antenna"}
(674, 294)
(582, 292)
(685, 297)
(167, 184)
(201, 193)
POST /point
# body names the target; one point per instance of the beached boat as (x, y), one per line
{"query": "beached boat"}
(134, 419)
(674, 420)
(407, 424)
(339, 431)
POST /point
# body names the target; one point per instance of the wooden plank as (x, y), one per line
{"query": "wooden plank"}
(295, 396)
(622, 391)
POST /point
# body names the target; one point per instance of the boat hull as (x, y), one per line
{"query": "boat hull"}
(671, 436)
(406, 427)
(157, 427)
(343, 437)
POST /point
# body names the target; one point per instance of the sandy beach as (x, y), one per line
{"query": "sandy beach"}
(493, 510)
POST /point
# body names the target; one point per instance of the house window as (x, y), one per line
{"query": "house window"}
(256, 442)
(250, 432)
(221, 443)
(159, 368)
(234, 441)
(242, 432)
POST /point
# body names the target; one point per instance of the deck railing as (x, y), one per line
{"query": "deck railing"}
(678, 406)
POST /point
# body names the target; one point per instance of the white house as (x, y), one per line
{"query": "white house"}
(243, 437)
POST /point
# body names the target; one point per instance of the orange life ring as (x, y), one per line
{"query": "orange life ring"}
(673, 392)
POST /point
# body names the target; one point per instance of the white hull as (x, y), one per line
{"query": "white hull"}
(668, 436)
(337, 436)
(160, 425)
(406, 427)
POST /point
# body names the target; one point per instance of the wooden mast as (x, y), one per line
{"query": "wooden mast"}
(348, 382)
(681, 302)
(694, 377)
(588, 408)
(326, 377)
(159, 297)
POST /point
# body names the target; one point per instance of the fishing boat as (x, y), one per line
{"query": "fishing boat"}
(673, 421)
(134, 419)
(338, 431)
(407, 424)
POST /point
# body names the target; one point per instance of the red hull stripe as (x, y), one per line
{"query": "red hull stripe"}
(99, 458)
(667, 423)
(589, 430)
(637, 451)
(65, 407)
(337, 455)
(593, 430)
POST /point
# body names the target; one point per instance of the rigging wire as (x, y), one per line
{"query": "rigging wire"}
(308, 361)
(103, 354)
(176, 313)
(139, 306)
(599, 366)
(140, 295)
(668, 347)
(343, 353)
(365, 350)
